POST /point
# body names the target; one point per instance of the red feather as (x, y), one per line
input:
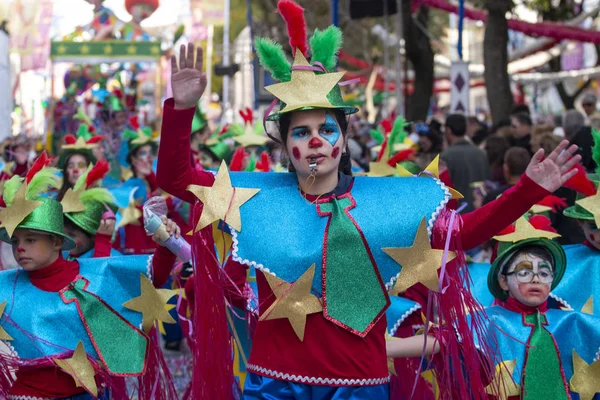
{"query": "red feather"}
(133, 121)
(96, 139)
(541, 222)
(387, 125)
(70, 139)
(247, 115)
(224, 130)
(581, 183)
(293, 15)
(118, 93)
(403, 155)
(97, 172)
(264, 164)
(383, 150)
(556, 203)
(40, 163)
(237, 160)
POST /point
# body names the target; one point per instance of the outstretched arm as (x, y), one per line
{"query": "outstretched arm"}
(164, 260)
(411, 346)
(175, 171)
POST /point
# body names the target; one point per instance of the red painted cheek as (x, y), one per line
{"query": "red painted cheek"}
(336, 152)
(296, 153)
(315, 143)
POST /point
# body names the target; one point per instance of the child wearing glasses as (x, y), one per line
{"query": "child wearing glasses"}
(539, 353)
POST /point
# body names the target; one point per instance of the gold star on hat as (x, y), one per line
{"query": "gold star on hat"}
(592, 205)
(221, 201)
(305, 88)
(251, 138)
(151, 303)
(20, 208)
(586, 377)
(80, 368)
(419, 262)
(80, 144)
(503, 386)
(524, 230)
(3, 334)
(294, 301)
(71, 201)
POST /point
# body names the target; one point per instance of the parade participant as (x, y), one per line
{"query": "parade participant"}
(71, 353)
(540, 353)
(104, 21)
(301, 231)
(139, 10)
(89, 215)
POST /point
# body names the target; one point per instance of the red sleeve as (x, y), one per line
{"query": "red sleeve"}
(152, 182)
(162, 264)
(175, 172)
(482, 224)
(102, 245)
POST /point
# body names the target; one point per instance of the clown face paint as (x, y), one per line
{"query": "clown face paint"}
(76, 166)
(591, 232)
(313, 137)
(526, 279)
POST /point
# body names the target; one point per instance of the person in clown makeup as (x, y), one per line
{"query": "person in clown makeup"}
(327, 246)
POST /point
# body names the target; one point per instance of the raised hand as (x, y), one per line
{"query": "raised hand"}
(187, 79)
(556, 169)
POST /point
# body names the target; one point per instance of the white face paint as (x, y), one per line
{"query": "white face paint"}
(517, 281)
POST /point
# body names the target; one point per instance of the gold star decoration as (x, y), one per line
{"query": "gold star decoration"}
(85, 49)
(403, 172)
(131, 49)
(524, 230)
(538, 209)
(434, 169)
(419, 262)
(151, 303)
(62, 49)
(80, 368)
(588, 307)
(8, 167)
(108, 49)
(431, 378)
(3, 334)
(221, 201)
(126, 173)
(592, 205)
(155, 50)
(305, 88)
(80, 144)
(19, 210)
(131, 214)
(251, 138)
(294, 301)
(586, 377)
(380, 169)
(503, 386)
(71, 201)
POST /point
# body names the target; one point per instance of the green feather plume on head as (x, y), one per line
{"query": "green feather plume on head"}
(129, 134)
(11, 187)
(397, 135)
(377, 135)
(46, 179)
(273, 59)
(325, 46)
(596, 149)
(98, 194)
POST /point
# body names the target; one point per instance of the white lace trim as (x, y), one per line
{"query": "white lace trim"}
(414, 308)
(318, 381)
(13, 352)
(235, 257)
(13, 397)
(562, 301)
(149, 269)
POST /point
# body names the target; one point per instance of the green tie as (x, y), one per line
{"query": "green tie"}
(543, 378)
(354, 294)
(121, 347)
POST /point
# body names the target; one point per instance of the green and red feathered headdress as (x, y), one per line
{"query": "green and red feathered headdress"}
(138, 136)
(83, 142)
(252, 132)
(303, 85)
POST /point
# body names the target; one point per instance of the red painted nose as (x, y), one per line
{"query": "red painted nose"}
(315, 143)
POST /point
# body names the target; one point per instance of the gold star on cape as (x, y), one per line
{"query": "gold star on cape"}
(380, 169)
(71, 201)
(294, 301)
(586, 377)
(80, 368)
(305, 88)
(592, 205)
(524, 230)
(3, 334)
(503, 386)
(8, 167)
(588, 307)
(20, 208)
(434, 169)
(221, 201)
(151, 303)
(419, 262)
(131, 214)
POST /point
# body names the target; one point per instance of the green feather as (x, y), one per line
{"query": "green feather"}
(325, 46)
(10, 189)
(98, 194)
(251, 167)
(397, 135)
(46, 179)
(273, 59)
(377, 135)
(596, 149)
(81, 180)
(129, 134)
(234, 130)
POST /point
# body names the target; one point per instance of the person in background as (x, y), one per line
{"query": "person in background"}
(515, 163)
(466, 162)
(520, 108)
(540, 129)
(581, 135)
(495, 147)
(430, 143)
(522, 125)
(588, 103)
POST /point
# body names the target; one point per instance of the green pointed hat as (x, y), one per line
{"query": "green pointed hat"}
(199, 121)
(303, 85)
(113, 104)
(578, 211)
(28, 207)
(216, 142)
(525, 235)
(584, 187)
(138, 138)
(85, 204)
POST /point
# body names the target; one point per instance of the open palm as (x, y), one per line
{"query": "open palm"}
(553, 171)
(187, 79)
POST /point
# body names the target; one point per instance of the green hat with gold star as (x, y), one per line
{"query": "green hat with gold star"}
(27, 204)
(303, 85)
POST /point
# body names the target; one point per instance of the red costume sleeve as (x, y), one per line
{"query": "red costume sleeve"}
(102, 245)
(162, 264)
(174, 172)
(152, 183)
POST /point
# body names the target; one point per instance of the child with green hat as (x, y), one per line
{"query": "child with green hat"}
(539, 353)
(64, 347)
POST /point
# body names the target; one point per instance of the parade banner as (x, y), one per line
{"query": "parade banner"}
(208, 12)
(29, 26)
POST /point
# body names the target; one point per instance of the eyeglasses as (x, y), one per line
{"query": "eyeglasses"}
(526, 275)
